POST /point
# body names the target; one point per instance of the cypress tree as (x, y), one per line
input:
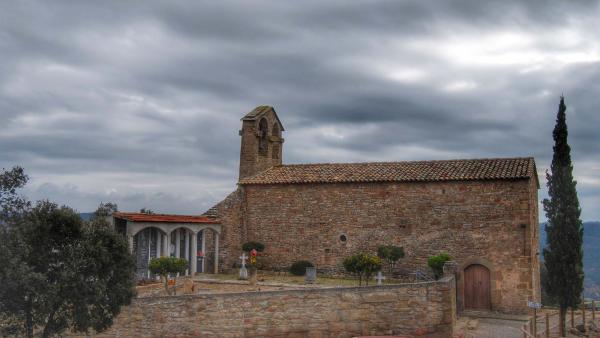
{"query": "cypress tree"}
(563, 254)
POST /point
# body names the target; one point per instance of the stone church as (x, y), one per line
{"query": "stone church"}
(483, 212)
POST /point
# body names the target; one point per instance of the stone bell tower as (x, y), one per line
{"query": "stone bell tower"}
(262, 141)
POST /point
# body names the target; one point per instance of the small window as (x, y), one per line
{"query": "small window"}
(343, 238)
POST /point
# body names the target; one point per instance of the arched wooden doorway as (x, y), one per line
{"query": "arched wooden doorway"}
(477, 287)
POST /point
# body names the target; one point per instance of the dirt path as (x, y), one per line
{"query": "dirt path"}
(503, 328)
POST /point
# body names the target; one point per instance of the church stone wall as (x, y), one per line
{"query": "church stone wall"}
(417, 308)
(231, 238)
(493, 223)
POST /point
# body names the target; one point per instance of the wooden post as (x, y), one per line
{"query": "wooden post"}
(594, 312)
(547, 325)
(525, 331)
(572, 318)
(583, 313)
(534, 322)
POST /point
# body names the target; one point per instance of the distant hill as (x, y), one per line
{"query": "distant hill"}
(591, 256)
(86, 216)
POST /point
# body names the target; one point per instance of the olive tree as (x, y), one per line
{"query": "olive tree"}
(56, 273)
(363, 265)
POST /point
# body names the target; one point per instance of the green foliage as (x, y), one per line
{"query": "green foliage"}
(164, 266)
(547, 300)
(146, 211)
(391, 254)
(363, 265)
(168, 265)
(11, 204)
(57, 274)
(436, 263)
(299, 267)
(105, 210)
(248, 246)
(563, 254)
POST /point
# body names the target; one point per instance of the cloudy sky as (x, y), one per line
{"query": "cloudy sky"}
(139, 102)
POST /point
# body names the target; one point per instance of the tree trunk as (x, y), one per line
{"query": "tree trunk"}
(562, 321)
(166, 277)
(49, 323)
(28, 320)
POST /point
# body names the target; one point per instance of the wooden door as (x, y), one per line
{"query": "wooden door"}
(477, 287)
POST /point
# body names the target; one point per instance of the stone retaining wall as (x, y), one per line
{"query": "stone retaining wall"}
(415, 308)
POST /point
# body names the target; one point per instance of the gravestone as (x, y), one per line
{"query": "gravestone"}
(188, 286)
(311, 275)
(243, 270)
(380, 278)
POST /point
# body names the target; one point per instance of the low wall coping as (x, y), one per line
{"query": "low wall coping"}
(445, 281)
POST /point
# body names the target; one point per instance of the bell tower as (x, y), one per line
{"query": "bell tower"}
(262, 141)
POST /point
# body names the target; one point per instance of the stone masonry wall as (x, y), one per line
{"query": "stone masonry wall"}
(251, 160)
(334, 312)
(492, 223)
(231, 238)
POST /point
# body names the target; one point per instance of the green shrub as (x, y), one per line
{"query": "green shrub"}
(164, 266)
(299, 267)
(248, 246)
(436, 263)
(363, 265)
(390, 254)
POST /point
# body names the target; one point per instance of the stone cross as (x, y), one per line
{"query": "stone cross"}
(379, 278)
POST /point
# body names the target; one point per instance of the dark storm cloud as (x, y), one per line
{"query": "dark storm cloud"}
(139, 102)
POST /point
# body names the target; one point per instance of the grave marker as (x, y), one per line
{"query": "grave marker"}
(243, 270)
(311, 275)
(380, 278)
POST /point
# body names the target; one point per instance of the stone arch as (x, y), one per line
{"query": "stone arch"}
(263, 136)
(137, 229)
(211, 249)
(460, 280)
(213, 228)
(147, 244)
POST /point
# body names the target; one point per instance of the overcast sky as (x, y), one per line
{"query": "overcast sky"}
(139, 102)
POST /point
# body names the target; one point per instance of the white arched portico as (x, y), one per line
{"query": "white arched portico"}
(177, 236)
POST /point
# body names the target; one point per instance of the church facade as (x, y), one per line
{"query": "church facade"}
(483, 212)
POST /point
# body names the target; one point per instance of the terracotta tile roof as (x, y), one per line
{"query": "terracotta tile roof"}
(449, 170)
(138, 217)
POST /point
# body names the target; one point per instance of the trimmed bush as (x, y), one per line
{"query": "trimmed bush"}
(164, 266)
(299, 267)
(363, 265)
(436, 263)
(248, 246)
(391, 254)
